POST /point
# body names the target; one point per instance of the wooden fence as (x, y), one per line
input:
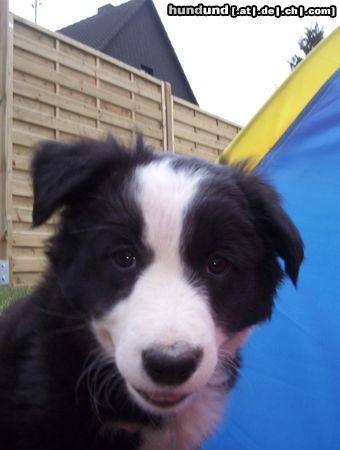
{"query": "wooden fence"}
(55, 88)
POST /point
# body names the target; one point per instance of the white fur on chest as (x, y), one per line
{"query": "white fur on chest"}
(191, 426)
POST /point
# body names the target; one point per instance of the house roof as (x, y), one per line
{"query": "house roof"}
(97, 31)
(100, 30)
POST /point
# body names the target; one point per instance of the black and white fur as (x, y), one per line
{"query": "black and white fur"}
(160, 266)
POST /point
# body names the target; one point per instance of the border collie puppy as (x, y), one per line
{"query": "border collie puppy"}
(160, 266)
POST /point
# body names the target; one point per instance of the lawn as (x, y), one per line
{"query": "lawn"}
(9, 295)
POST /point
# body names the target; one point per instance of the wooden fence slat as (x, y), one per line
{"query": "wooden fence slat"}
(21, 163)
(24, 139)
(24, 215)
(26, 239)
(26, 279)
(37, 264)
(22, 189)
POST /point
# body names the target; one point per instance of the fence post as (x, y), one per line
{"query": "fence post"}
(169, 118)
(3, 101)
(6, 49)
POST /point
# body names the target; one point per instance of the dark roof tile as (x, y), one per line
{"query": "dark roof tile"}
(98, 30)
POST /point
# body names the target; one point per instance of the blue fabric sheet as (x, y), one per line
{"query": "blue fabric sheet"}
(288, 397)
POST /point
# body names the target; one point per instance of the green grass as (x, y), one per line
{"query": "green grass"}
(9, 295)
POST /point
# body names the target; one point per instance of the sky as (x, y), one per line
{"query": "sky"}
(233, 64)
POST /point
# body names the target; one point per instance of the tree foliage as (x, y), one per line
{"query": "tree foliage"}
(313, 35)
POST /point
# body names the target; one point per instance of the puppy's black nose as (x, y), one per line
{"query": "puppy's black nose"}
(171, 365)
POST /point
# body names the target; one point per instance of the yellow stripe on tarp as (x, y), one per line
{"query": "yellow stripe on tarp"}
(260, 135)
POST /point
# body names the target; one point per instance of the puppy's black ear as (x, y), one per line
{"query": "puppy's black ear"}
(63, 171)
(273, 223)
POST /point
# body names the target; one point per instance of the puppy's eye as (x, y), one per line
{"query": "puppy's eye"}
(124, 259)
(217, 265)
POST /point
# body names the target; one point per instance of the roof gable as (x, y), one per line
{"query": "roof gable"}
(114, 31)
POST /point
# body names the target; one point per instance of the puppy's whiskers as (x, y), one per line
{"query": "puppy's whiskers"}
(71, 329)
(100, 378)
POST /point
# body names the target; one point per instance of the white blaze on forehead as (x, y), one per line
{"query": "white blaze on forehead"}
(163, 308)
(164, 195)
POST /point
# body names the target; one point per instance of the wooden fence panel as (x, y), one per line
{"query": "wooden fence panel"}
(198, 133)
(61, 89)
